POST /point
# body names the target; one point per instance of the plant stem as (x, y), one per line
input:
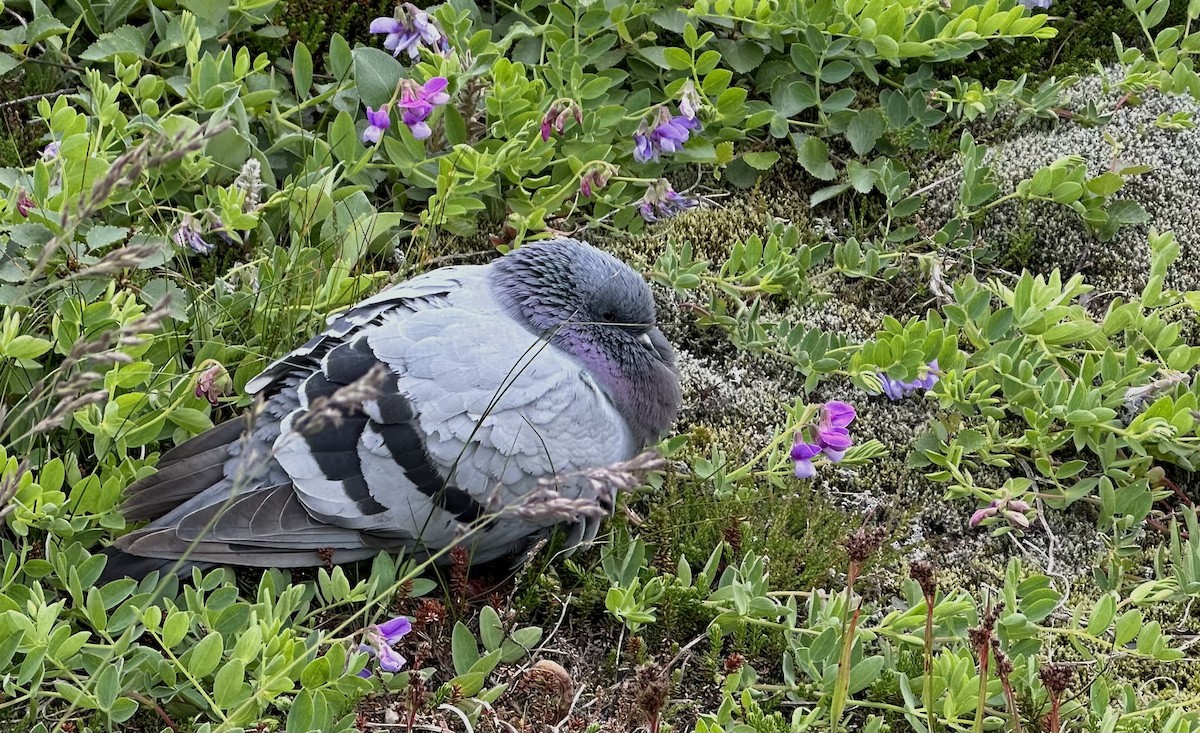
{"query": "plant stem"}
(849, 627)
(928, 687)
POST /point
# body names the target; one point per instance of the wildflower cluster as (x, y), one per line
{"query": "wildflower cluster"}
(660, 200)
(556, 117)
(667, 135)
(410, 30)
(896, 389)
(1012, 510)
(832, 438)
(416, 103)
(188, 235)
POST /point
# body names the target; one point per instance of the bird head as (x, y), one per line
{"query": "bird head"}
(593, 306)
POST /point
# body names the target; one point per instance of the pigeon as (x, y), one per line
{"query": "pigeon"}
(422, 411)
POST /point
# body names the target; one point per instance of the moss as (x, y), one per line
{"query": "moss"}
(1085, 31)
(20, 141)
(315, 21)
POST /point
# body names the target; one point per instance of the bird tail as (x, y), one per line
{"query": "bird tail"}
(183, 472)
(121, 564)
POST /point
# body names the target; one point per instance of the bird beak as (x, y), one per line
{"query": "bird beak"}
(645, 339)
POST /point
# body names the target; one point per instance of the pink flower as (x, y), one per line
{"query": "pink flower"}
(25, 203)
(417, 103)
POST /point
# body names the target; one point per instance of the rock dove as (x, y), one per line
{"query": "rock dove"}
(418, 412)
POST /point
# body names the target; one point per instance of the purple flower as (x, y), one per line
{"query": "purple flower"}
(379, 640)
(662, 202)
(832, 433)
(1036, 4)
(409, 30)
(896, 389)
(558, 114)
(666, 136)
(378, 121)
(595, 176)
(417, 103)
(802, 454)
(211, 383)
(50, 152)
(1013, 511)
(188, 235)
(690, 100)
(25, 203)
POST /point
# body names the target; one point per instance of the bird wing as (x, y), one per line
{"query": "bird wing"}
(473, 411)
(459, 411)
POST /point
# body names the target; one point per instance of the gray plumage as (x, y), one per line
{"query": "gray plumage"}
(474, 383)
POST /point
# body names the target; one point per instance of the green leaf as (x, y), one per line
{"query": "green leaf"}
(813, 154)
(1127, 627)
(491, 629)
(1102, 615)
(761, 161)
(743, 55)
(228, 684)
(126, 43)
(7, 63)
(302, 69)
(865, 130)
(861, 177)
(464, 649)
(376, 73)
(677, 58)
(102, 235)
(822, 195)
(206, 655)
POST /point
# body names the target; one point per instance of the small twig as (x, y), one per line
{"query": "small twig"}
(150, 703)
(35, 97)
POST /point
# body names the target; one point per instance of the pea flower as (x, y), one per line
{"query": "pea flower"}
(1013, 510)
(50, 152)
(690, 100)
(212, 382)
(666, 136)
(25, 203)
(896, 389)
(596, 176)
(188, 235)
(378, 121)
(409, 30)
(662, 202)
(832, 434)
(1036, 4)
(417, 103)
(803, 453)
(556, 117)
(379, 640)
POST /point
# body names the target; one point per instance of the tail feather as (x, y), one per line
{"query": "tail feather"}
(121, 564)
(183, 472)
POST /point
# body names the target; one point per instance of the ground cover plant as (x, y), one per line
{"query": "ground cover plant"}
(935, 466)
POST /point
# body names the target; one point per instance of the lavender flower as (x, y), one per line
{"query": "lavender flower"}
(690, 100)
(417, 103)
(189, 236)
(832, 434)
(409, 30)
(379, 641)
(212, 383)
(1013, 510)
(666, 136)
(802, 454)
(662, 202)
(378, 121)
(50, 152)
(558, 114)
(896, 389)
(1036, 4)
